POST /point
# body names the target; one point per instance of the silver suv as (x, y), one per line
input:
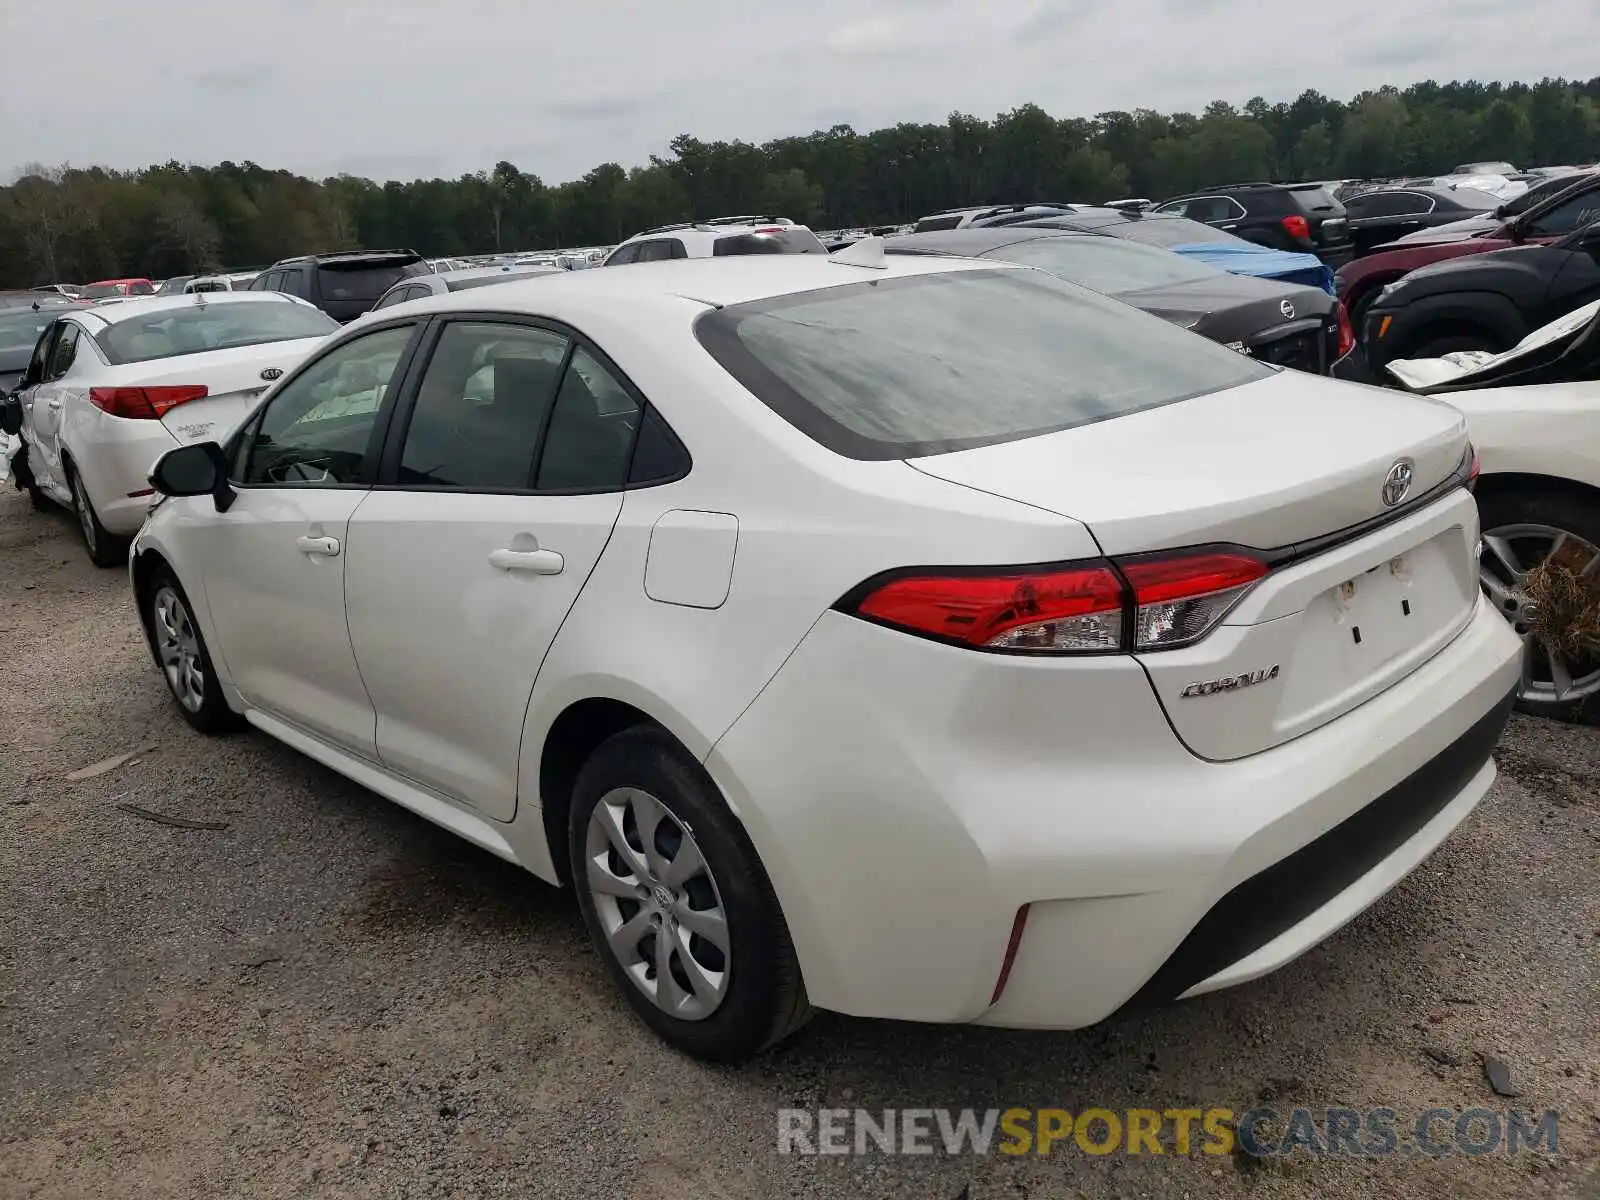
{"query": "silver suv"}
(716, 238)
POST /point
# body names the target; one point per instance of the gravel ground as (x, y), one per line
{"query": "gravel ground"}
(331, 997)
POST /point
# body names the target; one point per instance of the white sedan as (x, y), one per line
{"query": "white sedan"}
(915, 638)
(109, 389)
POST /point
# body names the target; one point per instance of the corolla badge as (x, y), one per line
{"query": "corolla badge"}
(1397, 483)
(1229, 683)
(272, 373)
(1286, 308)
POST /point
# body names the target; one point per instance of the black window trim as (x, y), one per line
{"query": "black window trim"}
(380, 423)
(387, 478)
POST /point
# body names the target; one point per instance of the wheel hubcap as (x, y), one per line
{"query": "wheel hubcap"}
(85, 517)
(1509, 553)
(178, 649)
(658, 903)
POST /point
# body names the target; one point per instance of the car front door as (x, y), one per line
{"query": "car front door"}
(48, 411)
(273, 564)
(1577, 282)
(501, 483)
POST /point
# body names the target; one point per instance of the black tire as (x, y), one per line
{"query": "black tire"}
(212, 715)
(105, 548)
(1500, 506)
(23, 474)
(765, 998)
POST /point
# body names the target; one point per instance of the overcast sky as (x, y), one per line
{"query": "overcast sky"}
(400, 89)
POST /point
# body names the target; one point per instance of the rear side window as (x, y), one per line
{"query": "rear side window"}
(927, 364)
(781, 241)
(934, 224)
(218, 326)
(362, 280)
(590, 439)
(141, 287)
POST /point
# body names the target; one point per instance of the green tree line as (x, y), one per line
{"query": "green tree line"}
(80, 224)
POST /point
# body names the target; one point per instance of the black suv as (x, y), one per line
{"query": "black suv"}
(343, 285)
(1305, 217)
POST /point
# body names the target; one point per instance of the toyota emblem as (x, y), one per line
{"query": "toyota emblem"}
(1397, 483)
(1286, 308)
(272, 373)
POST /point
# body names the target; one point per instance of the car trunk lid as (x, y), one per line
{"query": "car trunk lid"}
(234, 379)
(1361, 592)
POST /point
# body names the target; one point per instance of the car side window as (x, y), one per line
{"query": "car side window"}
(63, 353)
(40, 357)
(656, 251)
(1564, 218)
(392, 297)
(1211, 208)
(592, 429)
(315, 429)
(1178, 208)
(623, 255)
(482, 407)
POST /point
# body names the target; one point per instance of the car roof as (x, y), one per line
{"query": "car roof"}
(718, 282)
(136, 306)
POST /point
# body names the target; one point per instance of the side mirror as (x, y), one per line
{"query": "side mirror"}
(11, 415)
(199, 469)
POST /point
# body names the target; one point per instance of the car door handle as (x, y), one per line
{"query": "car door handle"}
(325, 546)
(534, 562)
(52, 404)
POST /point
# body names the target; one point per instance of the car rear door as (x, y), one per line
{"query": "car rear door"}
(501, 483)
(48, 405)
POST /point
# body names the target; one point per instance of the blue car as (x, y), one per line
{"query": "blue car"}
(1179, 234)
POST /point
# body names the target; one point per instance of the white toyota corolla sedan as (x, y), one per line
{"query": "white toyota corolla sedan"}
(109, 389)
(915, 638)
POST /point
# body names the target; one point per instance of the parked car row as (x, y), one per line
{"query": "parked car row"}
(703, 560)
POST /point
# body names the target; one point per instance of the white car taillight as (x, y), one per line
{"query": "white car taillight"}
(1095, 607)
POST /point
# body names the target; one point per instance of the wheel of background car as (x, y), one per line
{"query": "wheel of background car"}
(1524, 527)
(105, 548)
(180, 652)
(677, 902)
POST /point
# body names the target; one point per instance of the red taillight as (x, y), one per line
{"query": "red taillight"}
(1298, 227)
(1074, 608)
(144, 403)
(1079, 608)
(1179, 598)
(769, 229)
(1347, 335)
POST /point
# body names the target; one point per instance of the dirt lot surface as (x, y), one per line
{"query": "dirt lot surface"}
(330, 997)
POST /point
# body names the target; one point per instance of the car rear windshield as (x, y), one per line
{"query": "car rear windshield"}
(926, 364)
(1315, 199)
(19, 330)
(782, 241)
(215, 326)
(934, 224)
(364, 279)
(99, 291)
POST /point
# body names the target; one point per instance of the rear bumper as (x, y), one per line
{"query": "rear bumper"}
(907, 799)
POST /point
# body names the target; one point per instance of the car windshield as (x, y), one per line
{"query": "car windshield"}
(1315, 198)
(99, 291)
(19, 330)
(216, 326)
(364, 280)
(1168, 231)
(769, 241)
(1105, 264)
(926, 364)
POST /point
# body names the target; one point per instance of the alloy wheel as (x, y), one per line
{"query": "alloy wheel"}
(1509, 553)
(658, 903)
(178, 648)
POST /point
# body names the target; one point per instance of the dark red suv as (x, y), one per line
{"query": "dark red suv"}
(1361, 280)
